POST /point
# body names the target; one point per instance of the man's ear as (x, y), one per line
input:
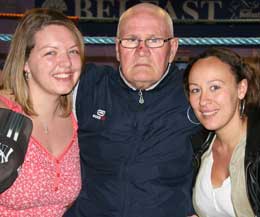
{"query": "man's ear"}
(174, 42)
(242, 88)
(117, 44)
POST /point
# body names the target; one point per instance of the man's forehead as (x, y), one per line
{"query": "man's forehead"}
(144, 8)
(146, 13)
(143, 22)
(145, 16)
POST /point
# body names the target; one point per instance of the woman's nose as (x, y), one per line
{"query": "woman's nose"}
(65, 60)
(204, 98)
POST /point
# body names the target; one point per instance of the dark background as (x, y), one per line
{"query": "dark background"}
(192, 18)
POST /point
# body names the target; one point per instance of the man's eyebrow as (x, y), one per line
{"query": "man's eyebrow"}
(130, 36)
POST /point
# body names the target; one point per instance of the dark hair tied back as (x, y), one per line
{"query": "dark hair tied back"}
(239, 68)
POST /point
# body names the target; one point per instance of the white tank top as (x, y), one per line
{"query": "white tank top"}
(213, 202)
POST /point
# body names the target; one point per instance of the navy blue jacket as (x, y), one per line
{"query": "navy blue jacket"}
(136, 158)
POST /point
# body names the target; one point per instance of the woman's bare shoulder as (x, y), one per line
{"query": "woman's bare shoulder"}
(5, 94)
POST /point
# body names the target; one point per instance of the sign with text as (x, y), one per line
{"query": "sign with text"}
(179, 10)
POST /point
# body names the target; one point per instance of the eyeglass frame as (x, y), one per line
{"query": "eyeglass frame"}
(145, 42)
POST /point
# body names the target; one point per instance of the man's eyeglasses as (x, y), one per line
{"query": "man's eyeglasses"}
(149, 42)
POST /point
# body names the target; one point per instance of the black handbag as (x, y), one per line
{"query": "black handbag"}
(15, 132)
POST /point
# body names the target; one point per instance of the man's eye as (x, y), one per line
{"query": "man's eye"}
(153, 40)
(131, 39)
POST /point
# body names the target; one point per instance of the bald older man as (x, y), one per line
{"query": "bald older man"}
(134, 125)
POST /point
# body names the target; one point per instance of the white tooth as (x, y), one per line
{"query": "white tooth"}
(208, 113)
(61, 75)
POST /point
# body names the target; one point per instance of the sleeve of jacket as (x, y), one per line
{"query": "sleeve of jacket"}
(89, 81)
(252, 159)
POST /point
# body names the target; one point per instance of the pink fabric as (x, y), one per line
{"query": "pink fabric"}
(46, 185)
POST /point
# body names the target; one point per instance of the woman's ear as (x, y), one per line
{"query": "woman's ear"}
(26, 67)
(242, 88)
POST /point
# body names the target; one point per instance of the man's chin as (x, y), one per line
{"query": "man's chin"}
(142, 84)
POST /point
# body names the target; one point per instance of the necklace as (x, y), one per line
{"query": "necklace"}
(45, 128)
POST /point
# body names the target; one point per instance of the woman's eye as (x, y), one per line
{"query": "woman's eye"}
(214, 87)
(50, 53)
(194, 90)
(74, 51)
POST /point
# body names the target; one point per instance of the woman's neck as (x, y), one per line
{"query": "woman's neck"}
(229, 138)
(46, 108)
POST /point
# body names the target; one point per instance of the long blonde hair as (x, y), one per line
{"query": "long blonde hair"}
(22, 43)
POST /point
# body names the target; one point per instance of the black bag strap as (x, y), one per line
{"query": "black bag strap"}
(15, 132)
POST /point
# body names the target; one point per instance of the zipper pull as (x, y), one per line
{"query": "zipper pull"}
(141, 98)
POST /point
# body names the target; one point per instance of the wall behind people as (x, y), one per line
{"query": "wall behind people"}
(1, 71)
(192, 19)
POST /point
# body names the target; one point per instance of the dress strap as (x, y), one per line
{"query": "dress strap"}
(11, 104)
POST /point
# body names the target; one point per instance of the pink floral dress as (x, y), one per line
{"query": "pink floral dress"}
(46, 185)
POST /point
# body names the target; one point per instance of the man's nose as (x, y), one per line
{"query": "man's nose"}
(143, 49)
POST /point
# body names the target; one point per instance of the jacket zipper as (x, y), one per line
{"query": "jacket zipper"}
(141, 98)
